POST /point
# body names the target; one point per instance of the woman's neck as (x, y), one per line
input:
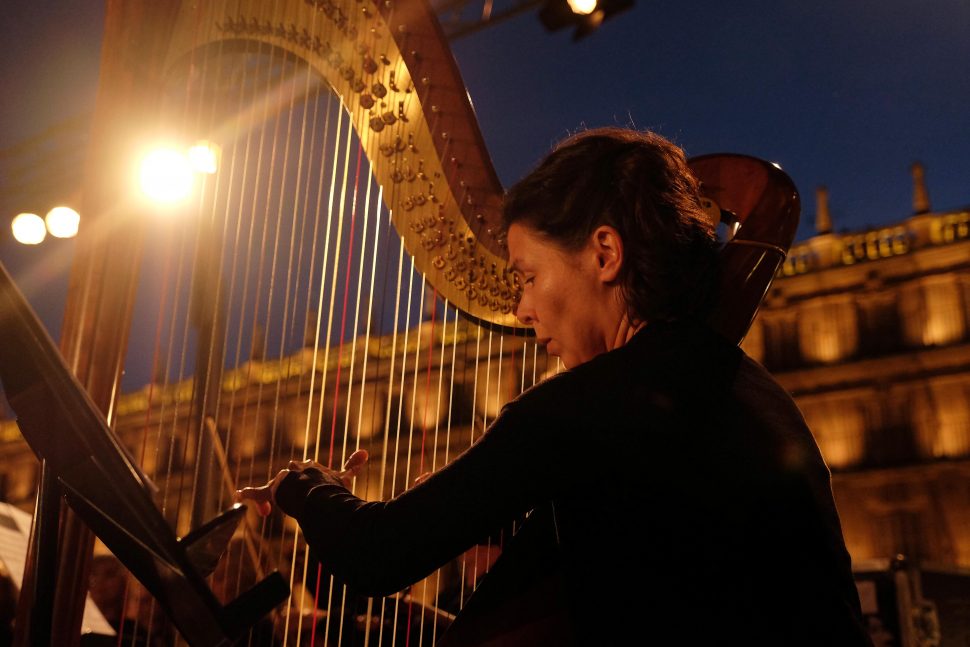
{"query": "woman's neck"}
(625, 331)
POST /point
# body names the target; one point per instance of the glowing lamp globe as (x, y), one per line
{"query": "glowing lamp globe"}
(204, 157)
(28, 229)
(166, 176)
(62, 222)
(582, 7)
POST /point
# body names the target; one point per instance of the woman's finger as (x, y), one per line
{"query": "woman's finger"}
(353, 465)
(356, 461)
(261, 496)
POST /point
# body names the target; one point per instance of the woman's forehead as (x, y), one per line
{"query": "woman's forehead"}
(525, 243)
(531, 250)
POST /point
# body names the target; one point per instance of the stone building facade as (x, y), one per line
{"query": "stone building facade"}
(870, 331)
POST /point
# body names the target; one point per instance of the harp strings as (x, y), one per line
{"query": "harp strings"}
(302, 448)
(340, 347)
(285, 246)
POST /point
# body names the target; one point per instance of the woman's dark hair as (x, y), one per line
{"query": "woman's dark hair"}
(639, 184)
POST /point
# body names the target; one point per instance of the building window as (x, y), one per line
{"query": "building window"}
(932, 311)
(781, 351)
(828, 329)
(840, 426)
(879, 326)
(940, 412)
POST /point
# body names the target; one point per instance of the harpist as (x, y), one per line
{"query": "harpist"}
(685, 499)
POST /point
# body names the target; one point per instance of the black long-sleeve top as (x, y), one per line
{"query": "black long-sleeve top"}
(691, 503)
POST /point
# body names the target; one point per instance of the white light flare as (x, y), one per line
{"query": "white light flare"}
(62, 222)
(166, 176)
(204, 157)
(28, 229)
(582, 7)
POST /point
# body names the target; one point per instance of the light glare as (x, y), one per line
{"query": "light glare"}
(62, 222)
(205, 157)
(582, 7)
(28, 229)
(166, 176)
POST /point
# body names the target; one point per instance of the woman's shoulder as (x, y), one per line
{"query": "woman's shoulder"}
(571, 392)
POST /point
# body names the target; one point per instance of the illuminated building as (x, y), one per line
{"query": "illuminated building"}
(869, 331)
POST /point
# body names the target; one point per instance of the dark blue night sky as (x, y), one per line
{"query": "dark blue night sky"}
(846, 94)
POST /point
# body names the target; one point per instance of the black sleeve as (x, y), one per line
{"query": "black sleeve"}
(381, 547)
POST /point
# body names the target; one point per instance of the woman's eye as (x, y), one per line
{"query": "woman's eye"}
(529, 280)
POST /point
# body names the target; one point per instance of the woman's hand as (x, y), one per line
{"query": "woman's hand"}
(265, 496)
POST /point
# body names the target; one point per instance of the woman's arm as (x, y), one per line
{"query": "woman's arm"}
(381, 547)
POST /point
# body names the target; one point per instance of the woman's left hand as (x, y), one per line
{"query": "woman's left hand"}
(265, 496)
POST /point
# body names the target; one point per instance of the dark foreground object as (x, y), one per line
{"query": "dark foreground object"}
(110, 493)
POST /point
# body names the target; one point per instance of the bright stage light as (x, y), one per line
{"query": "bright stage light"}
(582, 16)
(62, 222)
(205, 157)
(582, 7)
(28, 229)
(166, 175)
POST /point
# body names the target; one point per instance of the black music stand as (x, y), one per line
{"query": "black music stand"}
(104, 486)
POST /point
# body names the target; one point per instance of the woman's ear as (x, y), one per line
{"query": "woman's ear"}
(607, 246)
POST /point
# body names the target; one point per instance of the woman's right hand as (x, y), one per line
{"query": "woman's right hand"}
(265, 496)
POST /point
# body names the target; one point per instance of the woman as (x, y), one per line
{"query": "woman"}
(687, 500)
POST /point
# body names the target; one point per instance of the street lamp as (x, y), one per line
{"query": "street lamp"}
(582, 15)
(165, 175)
(204, 157)
(62, 222)
(28, 229)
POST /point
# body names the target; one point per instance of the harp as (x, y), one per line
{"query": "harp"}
(350, 160)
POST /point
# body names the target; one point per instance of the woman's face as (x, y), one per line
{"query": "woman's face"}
(573, 312)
